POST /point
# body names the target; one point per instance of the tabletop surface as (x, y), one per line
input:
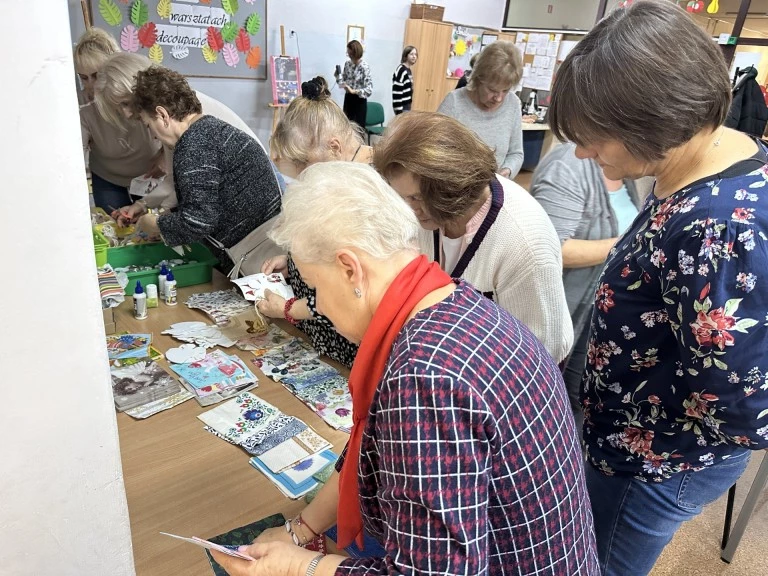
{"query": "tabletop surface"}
(183, 480)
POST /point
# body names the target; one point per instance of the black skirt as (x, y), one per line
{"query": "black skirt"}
(356, 107)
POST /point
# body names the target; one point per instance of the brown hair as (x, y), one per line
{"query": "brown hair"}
(309, 123)
(93, 48)
(159, 86)
(499, 63)
(407, 50)
(356, 49)
(453, 165)
(668, 82)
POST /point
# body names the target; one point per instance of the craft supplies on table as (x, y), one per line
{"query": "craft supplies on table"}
(137, 381)
(143, 260)
(139, 302)
(112, 293)
(220, 306)
(122, 346)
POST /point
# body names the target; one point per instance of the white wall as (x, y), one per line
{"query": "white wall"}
(62, 501)
(321, 28)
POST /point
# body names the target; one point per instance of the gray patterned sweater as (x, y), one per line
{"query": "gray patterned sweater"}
(225, 185)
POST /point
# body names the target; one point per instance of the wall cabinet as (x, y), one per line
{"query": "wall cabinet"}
(433, 41)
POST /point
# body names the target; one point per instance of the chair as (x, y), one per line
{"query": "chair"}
(374, 120)
(731, 538)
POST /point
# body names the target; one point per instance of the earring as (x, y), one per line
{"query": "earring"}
(358, 293)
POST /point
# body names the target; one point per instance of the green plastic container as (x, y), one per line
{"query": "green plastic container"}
(100, 246)
(151, 254)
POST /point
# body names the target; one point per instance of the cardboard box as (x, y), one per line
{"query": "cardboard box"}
(427, 12)
(109, 320)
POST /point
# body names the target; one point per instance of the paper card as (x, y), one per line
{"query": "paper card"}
(217, 397)
(241, 417)
(141, 186)
(245, 324)
(220, 306)
(260, 344)
(229, 551)
(253, 286)
(140, 382)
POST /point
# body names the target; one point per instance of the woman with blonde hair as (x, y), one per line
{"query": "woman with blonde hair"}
(479, 226)
(463, 457)
(113, 98)
(116, 151)
(91, 51)
(314, 129)
(488, 106)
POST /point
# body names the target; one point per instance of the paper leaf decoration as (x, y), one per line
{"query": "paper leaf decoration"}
(156, 54)
(129, 39)
(231, 57)
(230, 6)
(215, 41)
(209, 54)
(164, 8)
(179, 52)
(243, 41)
(139, 13)
(110, 12)
(148, 35)
(229, 31)
(253, 23)
(254, 57)
(461, 47)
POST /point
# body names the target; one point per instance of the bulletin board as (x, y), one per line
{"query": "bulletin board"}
(204, 38)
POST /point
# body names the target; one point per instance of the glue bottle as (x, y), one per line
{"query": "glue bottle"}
(170, 289)
(161, 278)
(139, 302)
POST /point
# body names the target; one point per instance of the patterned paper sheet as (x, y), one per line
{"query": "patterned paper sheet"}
(246, 414)
(152, 408)
(220, 306)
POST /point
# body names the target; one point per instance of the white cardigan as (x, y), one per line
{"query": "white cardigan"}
(519, 264)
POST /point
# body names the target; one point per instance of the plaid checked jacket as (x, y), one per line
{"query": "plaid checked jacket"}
(470, 462)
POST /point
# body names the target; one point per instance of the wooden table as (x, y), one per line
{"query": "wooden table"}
(180, 478)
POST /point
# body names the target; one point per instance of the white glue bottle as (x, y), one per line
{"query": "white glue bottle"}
(161, 278)
(139, 302)
(170, 289)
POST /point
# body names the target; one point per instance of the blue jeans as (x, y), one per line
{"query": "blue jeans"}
(108, 196)
(635, 520)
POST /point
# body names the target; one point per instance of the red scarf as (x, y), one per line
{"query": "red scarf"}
(416, 280)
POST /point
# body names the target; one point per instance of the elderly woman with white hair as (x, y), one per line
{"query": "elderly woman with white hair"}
(116, 151)
(452, 464)
(489, 107)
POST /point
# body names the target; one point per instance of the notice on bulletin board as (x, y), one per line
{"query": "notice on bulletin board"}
(208, 38)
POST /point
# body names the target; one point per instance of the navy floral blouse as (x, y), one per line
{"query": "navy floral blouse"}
(677, 366)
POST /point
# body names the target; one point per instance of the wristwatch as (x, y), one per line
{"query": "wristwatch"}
(313, 565)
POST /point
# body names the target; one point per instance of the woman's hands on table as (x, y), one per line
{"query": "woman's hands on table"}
(128, 215)
(270, 559)
(272, 305)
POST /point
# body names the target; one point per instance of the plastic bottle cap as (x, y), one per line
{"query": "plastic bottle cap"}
(164, 270)
(170, 276)
(138, 289)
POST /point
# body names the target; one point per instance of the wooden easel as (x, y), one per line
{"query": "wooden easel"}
(277, 109)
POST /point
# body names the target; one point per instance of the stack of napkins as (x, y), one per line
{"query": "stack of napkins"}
(122, 346)
(138, 381)
(280, 443)
(253, 286)
(320, 386)
(220, 306)
(216, 377)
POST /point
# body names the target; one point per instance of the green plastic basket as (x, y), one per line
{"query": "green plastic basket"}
(100, 246)
(153, 253)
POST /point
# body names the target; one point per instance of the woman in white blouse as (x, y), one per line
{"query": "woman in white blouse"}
(357, 82)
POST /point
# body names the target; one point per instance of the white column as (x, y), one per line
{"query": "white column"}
(62, 500)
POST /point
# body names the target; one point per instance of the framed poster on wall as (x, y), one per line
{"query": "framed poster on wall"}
(286, 79)
(206, 38)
